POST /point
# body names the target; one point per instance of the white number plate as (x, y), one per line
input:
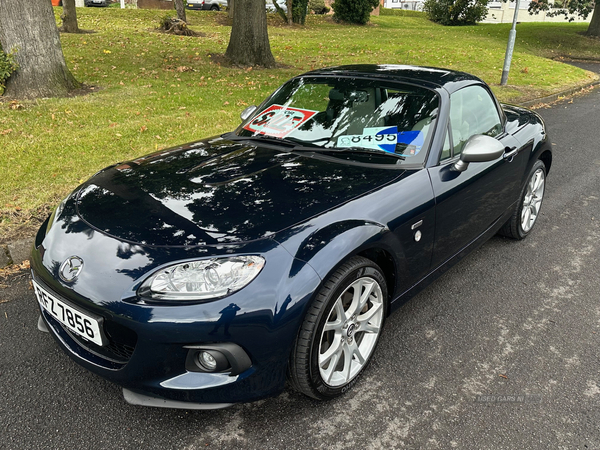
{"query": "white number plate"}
(367, 140)
(79, 323)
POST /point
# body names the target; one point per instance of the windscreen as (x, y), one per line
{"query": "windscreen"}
(346, 113)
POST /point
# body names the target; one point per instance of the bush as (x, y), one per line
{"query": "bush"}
(7, 67)
(318, 6)
(299, 10)
(354, 11)
(456, 12)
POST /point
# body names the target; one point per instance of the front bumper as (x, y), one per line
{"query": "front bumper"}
(149, 344)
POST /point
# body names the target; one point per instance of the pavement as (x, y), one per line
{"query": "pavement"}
(499, 353)
(16, 252)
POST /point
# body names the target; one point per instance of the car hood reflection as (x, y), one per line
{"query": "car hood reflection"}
(218, 191)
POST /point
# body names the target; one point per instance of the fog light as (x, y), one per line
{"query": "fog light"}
(207, 361)
(222, 357)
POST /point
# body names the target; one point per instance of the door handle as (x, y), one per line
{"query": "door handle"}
(510, 153)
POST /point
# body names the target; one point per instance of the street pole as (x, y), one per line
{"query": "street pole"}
(122, 4)
(512, 35)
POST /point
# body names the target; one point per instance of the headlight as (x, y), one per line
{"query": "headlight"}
(201, 280)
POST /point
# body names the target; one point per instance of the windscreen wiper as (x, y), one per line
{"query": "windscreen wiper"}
(370, 151)
(299, 146)
(266, 138)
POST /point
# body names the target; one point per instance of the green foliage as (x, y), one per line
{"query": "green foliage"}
(354, 11)
(318, 6)
(456, 12)
(7, 67)
(568, 8)
(299, 10)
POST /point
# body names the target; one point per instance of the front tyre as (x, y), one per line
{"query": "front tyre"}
(528, 208)
(340, 331)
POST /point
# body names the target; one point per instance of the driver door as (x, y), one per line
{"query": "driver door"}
(469, 202)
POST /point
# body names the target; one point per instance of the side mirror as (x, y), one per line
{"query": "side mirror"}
(247, 112)
(479, 148)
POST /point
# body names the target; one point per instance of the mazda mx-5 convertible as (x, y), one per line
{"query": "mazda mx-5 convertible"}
(209, 274)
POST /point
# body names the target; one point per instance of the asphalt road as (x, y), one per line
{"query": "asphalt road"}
(499, 353)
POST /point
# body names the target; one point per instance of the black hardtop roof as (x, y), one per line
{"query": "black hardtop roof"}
(425, 76)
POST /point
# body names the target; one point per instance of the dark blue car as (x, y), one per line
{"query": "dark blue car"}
(210, 273)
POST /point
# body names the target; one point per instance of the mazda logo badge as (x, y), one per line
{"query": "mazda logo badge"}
(71, 268)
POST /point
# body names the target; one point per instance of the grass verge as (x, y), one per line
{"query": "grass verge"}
(153, 90)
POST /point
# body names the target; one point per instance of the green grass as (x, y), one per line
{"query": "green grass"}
(155, 90)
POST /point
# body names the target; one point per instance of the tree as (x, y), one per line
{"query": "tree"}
(582, 8)
(594, 27)
(456, 12)
(180, 8)
(299, 10)
(296, 11)
(290, 17)
(249, 41)
(69, 17)
(354, 11)
(32, 32)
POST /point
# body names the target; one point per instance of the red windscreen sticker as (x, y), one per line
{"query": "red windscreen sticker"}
(279, 121)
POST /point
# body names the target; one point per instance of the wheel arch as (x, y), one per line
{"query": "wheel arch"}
(384, 259)
(546, 158)
(329, 248)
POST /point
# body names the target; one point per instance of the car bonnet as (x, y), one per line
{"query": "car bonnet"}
(217, 191)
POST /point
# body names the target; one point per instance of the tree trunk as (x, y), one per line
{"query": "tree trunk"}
(69, 17)
(594, 28)
(230, 4)
(289, 12)
(249, 41)
(32, 31)
(180, 8)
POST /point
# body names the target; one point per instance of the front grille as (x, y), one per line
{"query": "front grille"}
(122, 350)
(121, 343)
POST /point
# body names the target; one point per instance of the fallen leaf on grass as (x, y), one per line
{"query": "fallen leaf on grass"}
(15, 105)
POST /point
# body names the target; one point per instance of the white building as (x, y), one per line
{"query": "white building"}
(412, 5)
(503, 12)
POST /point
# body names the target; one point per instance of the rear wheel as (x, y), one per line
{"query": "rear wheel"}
(215, 8)
(528, 208)
(340, 331)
